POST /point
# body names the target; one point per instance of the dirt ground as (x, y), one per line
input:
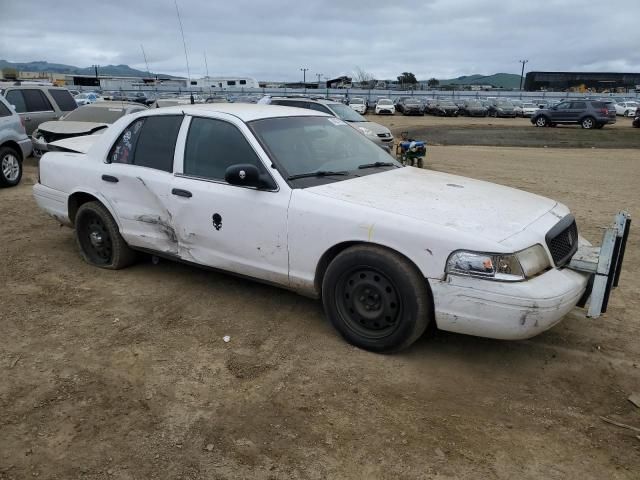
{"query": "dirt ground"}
(508, 132)
(125, 374)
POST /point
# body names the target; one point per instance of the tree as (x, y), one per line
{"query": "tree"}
(363, 79)
(407, 78)
(433, 82)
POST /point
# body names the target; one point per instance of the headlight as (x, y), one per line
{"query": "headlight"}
(499, 266)
(366, 131)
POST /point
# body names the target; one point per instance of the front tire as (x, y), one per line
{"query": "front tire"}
(588, 123)
(541, 121)
(376, 299)
(10, 167)
(99, 239)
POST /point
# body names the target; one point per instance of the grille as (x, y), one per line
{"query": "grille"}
(562, 240)
(384, 135)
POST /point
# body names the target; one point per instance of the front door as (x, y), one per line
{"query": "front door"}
(561, 112)
(238, 229)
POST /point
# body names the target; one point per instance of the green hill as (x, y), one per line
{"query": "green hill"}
(42, 66)
(498, 80)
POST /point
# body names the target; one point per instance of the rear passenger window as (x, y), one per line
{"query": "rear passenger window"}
(578, 105)
(64, 100)
(213, 146)
(148, 142)
(15, 98)
(36, 101)
(4, 111)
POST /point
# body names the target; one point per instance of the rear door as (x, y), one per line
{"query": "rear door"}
(576, 111)
(136, 179)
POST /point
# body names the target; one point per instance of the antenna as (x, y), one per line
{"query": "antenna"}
(145, 59)
(184, 44)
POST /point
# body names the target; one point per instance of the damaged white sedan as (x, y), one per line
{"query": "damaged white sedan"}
(299, 199)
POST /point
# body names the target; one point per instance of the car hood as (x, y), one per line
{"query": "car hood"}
(374, 127)
(70, 127)
(479, 208)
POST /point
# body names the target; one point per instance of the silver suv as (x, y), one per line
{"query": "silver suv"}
(15, 145)
(37, 104)
(373, 131)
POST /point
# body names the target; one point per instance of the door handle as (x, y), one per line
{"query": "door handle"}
(27, 119)
(110, 178)
(181, 193)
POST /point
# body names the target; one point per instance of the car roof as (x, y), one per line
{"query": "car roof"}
(36, 87)
(112, 104)
(244, 111)
(322, 101)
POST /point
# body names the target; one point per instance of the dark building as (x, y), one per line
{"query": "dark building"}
(597, 81)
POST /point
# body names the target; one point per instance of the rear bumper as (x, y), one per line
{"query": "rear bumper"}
(53, 202)
(25, 147)
(507, 311)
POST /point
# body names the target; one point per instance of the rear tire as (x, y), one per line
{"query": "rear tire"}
(10, 167)
(376, 299)
(588, 123)
(99, 240)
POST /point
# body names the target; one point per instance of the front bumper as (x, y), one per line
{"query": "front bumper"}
(388, 111)
(39, 143)
(507, 310)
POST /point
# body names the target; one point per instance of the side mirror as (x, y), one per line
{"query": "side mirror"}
(247, 175)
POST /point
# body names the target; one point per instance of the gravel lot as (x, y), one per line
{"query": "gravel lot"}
(125, 375)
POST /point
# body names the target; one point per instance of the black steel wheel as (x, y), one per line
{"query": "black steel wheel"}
(376, 299)
(99, 239)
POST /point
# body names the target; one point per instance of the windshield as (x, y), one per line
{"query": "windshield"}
(300, 145)
(474, 103)
(414, 101)
(385, 102)
(447, 104)
(95, 114)
(504, 103)
(358, 101)
(346, 113)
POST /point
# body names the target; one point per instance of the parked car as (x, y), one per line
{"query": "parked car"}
(472, 108)
(36, 104)
(627, 109)
(636, 120)
(517, 107)
(385, 106)
(86, 120)
(15, 145)
(375, 132)
(411, 106)
(501, 108)
(86, 98)
(586, 113)
(359, 105)
(298, 199)
(529, 109)
(397, 103)
(444, 108)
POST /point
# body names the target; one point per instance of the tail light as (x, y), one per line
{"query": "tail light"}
(22, 123)
(604, 111)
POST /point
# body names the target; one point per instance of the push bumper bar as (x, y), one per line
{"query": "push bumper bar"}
(604, 263)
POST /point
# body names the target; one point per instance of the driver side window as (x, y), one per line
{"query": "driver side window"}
(563, 106)
(213, 146)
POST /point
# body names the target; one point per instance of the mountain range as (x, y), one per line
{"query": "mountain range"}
(499, 80)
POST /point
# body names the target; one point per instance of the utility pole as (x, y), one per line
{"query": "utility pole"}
(205, 65)
(304, 78)
(184, 44)
(523, 62)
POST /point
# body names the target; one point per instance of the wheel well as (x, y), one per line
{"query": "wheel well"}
(76, 200)
(334, 251)
(15, 146)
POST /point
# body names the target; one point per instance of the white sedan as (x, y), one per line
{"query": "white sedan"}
(627, 109)
(359, 105)
(299, 199)
(385, 106)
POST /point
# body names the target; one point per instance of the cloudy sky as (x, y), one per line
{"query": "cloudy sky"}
(272, 40)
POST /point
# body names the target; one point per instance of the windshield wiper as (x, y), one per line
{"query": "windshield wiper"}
(317, 173)
(376, 165)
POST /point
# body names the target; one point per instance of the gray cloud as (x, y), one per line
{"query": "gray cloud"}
(273, 40)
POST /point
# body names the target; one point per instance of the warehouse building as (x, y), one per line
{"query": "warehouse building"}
(582, 81)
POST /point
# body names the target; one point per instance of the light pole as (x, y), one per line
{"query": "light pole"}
(523, 62)
(319, 75)
(304, 78)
